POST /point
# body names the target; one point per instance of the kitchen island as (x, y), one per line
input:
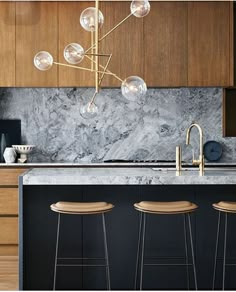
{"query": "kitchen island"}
(39, 188)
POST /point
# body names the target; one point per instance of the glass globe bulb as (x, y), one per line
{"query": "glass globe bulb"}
(133, 88)
(140, 8)
(89, 111)
(88, 18)
(73, 53)
(43, 61)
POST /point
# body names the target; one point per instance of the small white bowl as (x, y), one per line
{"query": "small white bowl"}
(23, 150)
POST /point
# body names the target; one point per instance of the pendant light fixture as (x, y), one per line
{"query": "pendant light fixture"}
(133, 88)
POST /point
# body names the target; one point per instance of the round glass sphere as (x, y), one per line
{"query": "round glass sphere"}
(88, 18)
(140, 8)
(73, 53)
(89, 111)
(43, 61)
(133, 88)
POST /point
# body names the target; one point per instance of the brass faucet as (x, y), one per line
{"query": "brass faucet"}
(200, 161)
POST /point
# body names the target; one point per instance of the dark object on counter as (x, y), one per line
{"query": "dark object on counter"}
(212, 150)
(4, 142)
(12, 135)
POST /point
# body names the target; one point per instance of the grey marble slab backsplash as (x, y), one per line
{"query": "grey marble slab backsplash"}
(50, 119)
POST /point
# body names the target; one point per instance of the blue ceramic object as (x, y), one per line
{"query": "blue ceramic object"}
(212, 150)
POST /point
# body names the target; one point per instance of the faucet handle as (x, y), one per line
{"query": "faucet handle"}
(178, 159)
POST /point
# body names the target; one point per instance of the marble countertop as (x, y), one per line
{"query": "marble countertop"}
(110, 165)
(126, 176)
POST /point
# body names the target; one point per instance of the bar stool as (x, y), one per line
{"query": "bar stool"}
(222, 208)
(82, 208)
(164, 208)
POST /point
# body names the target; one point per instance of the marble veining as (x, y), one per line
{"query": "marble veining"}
(148, 130)
(125, 176)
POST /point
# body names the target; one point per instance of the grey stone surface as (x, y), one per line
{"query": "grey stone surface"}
(125, 176)
(123, 130)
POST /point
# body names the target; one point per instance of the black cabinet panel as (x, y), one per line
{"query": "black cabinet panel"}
(83, 236)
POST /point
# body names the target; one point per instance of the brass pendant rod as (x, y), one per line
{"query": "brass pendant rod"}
(83, 68)
(107, 71)
(96, 46)
(92, 43)
(105, 68)
(110, 31)
(93, 99)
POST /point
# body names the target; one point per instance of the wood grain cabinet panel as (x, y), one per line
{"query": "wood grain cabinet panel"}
(9, 177)
(9, 230)
(8, 250)
(7, 37)
(165, 44)
(210, 56)
(70, 31)
(36, 30)
(125, 43)
(8, 273)
(8, 201)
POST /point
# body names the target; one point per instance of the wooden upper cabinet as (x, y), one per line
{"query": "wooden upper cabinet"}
(179, 43)
(165, 44)
(7, 37)
(36, 30)
(70, 31)
(210, 37)
(125, 43)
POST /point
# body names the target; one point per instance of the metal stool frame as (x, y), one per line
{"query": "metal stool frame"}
(140, 252)
(106, 258)
(224, 263)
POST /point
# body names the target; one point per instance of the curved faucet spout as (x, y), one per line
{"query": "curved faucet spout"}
(200, 136)
(199, 162)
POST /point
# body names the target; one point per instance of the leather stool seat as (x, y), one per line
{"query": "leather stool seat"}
(81, 207)
(225, 206)
(165, 207)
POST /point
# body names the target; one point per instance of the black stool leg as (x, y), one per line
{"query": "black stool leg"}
(106, 253)
(216, 250)
(55, 265)
(186, 251)
(224, 257)
(142, 252)
(192, 250)
(138, 251)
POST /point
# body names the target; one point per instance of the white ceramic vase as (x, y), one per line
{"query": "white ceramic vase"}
(9, 155)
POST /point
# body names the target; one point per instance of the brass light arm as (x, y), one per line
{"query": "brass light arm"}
(83, 68)
(93, 98)
(101, 55)
(105, 68)
(107, 71)
(110, 31)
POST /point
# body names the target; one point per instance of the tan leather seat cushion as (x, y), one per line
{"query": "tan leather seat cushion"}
(225, 206)
(81, 207)
(165, 207)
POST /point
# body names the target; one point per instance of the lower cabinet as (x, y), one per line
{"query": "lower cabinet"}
(9, 227)
(82, 236)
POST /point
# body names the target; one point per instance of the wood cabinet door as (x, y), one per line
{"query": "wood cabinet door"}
(70, 31)
(210, 55)
(165, 44)
(7, 36)
(36, 30)
(125, 43)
